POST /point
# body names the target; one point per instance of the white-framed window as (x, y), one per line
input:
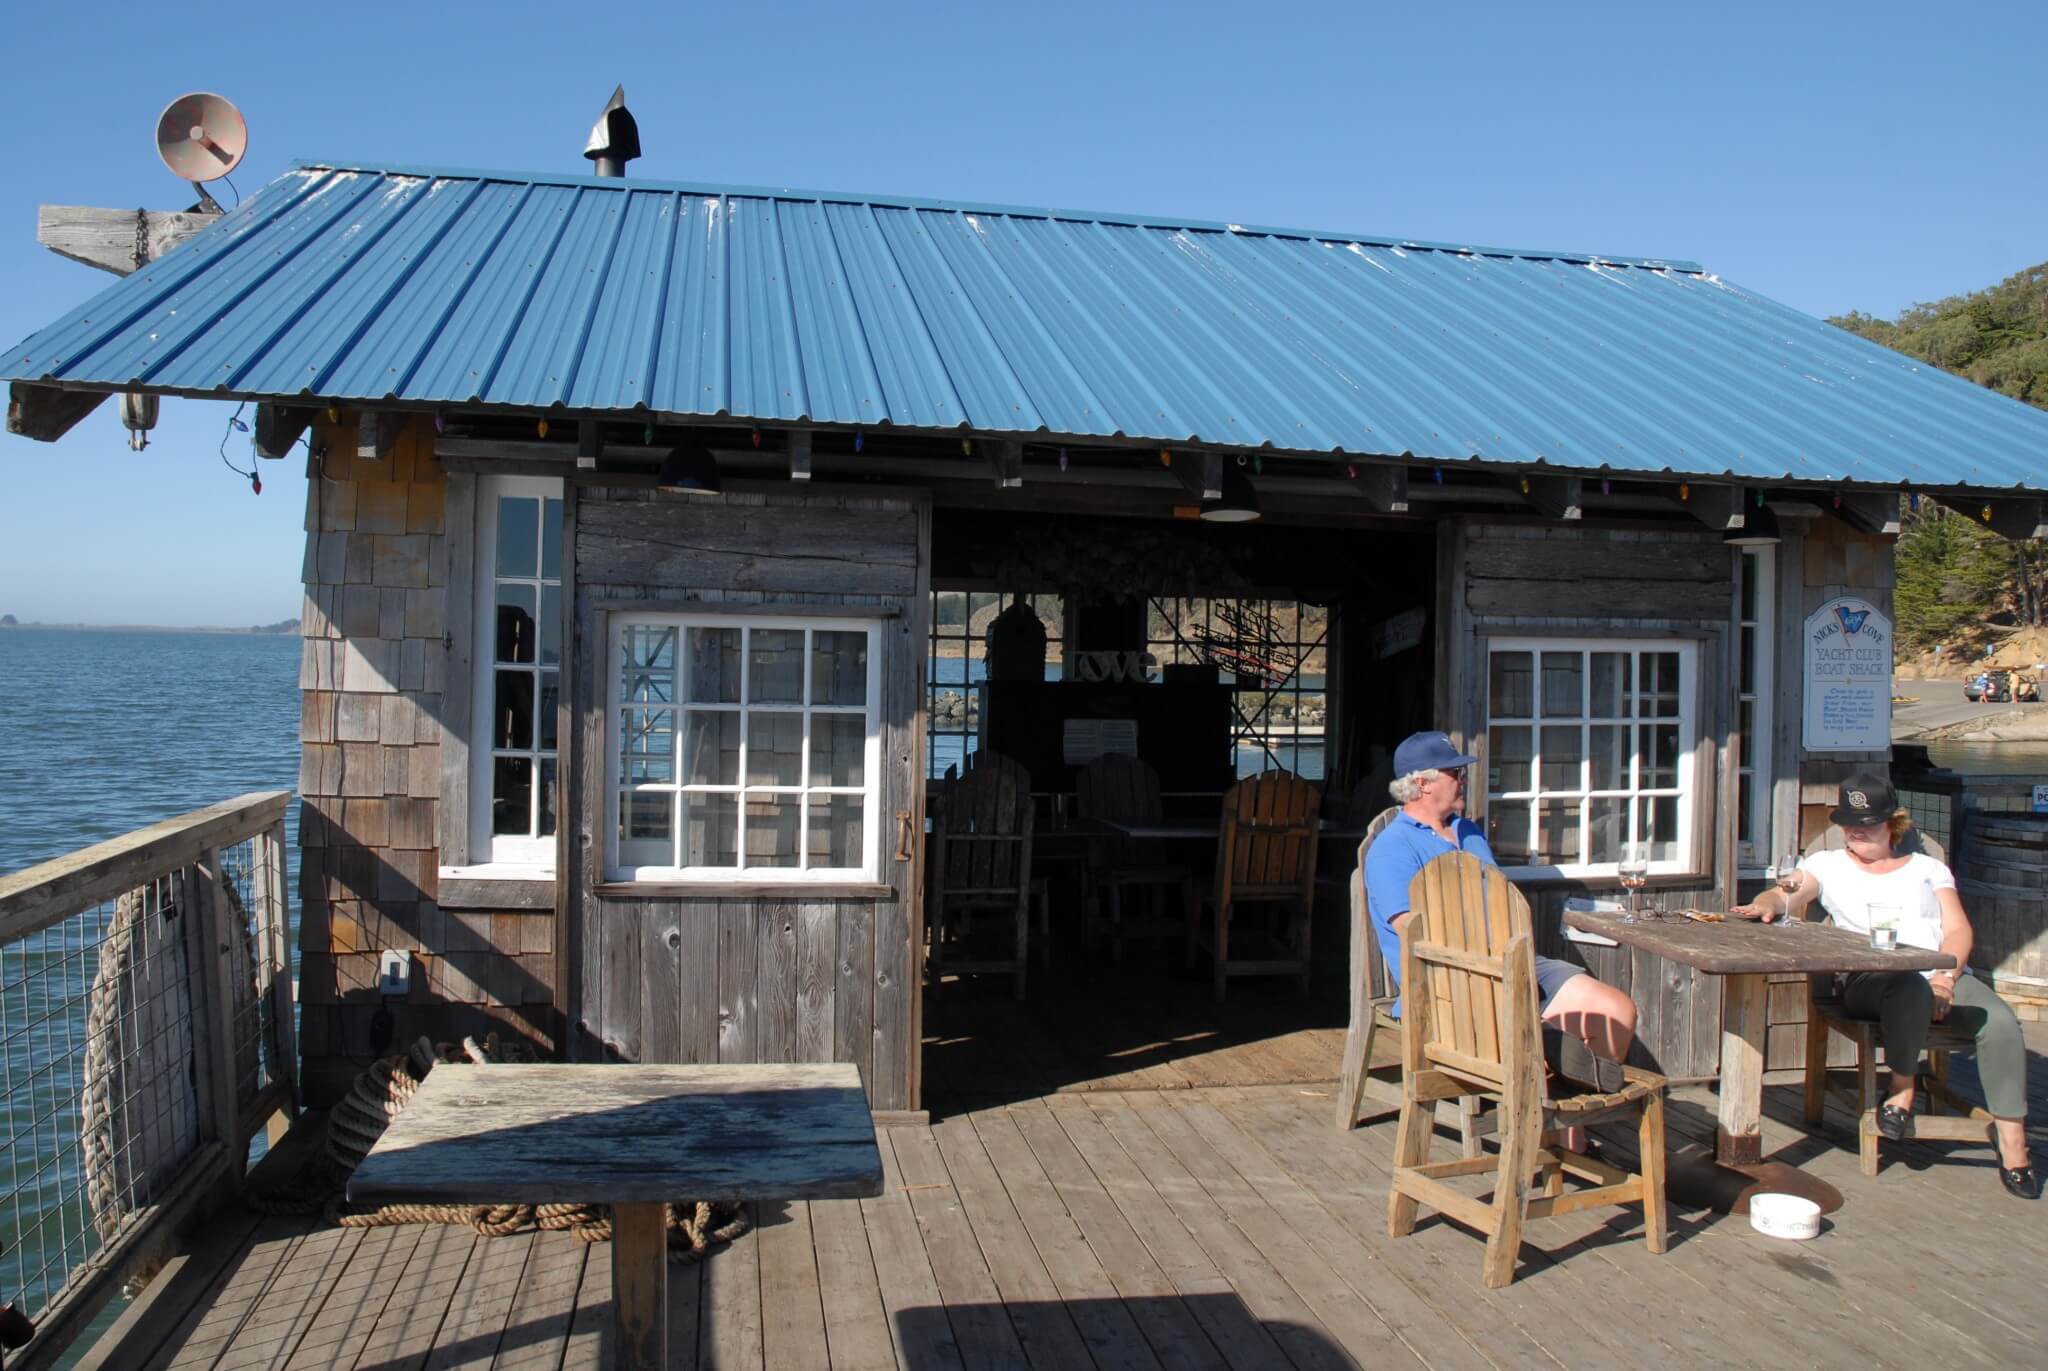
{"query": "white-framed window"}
(516, 671)
(1755, 581)
(743, 750)
(1589, 747)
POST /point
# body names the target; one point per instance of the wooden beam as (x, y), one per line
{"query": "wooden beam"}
(1870, 511)
(279, 426)
(47, 413)
(1384, 486)
(1200, 472)
(1560, 497)
(1006, 464)
(800, 454)
(589, 444)
(1719, 507)
(376, 431)
(2018, 519)
(116, 240)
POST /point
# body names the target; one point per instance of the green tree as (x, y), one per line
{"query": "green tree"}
(1950, 576)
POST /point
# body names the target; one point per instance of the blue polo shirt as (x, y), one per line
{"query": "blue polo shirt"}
(1403, 848)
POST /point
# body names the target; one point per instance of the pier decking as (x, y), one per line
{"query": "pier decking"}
(1209, 1226)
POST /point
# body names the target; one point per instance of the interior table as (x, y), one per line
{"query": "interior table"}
(635, 1138)
(1744, 954)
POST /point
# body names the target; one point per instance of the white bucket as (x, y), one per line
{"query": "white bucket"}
(1784, 1216)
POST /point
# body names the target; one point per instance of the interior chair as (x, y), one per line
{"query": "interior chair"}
(1265, 856)
(1950, 1117)
(1123, 787)
(981, 862)
(1375, 1033)
(1471, 1028)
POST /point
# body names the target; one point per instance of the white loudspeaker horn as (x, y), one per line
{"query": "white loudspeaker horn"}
(201, 137)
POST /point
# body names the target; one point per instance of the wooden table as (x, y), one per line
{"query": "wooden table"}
(633, 1137)
(1745, 954)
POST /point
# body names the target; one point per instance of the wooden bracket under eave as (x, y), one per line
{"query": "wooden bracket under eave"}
(1382, 485)
(1560, 497)
(800, 454)
(47, 413)
(2017, 519)
(1869, 511)
(1720, 507)
(589, 444)
(1200, 472)
(279, 426)
(1006, 464)
(376, 431)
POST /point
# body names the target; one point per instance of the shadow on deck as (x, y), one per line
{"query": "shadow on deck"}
(1206, 1226)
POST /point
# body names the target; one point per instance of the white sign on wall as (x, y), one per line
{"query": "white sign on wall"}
(1848, 680)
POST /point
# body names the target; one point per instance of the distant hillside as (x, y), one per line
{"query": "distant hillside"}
(1958, 584)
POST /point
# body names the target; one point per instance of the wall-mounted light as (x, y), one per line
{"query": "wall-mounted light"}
(1238, 504)
(690, 470)
(1759, 529)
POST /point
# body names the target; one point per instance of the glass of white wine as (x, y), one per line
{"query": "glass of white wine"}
(1788, 881)
(1634, 870)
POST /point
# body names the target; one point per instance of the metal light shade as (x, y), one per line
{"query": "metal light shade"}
(1759, 529)
(689, 471)
(1239, 503)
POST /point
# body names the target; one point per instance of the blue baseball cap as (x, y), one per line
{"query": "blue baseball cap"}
(1428, 752)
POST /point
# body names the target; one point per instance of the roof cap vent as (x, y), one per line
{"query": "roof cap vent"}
(615, 138)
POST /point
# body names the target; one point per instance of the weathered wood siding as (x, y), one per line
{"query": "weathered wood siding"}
(662, 978)
(374, 690)
(1525, 579)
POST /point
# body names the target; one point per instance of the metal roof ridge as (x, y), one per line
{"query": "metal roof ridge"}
(623, 183)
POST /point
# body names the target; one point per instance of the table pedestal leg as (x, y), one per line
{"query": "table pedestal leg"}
(640, 1286)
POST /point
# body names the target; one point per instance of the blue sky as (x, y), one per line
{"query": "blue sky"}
(1833, 156)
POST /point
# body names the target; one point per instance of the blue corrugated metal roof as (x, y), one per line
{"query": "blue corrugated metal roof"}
(425, 286)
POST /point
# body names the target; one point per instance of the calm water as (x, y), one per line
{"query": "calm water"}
(102, 732)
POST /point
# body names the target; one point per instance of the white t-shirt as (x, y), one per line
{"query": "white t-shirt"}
(1847, 891)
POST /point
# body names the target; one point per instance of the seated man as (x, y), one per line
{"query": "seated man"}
(1429, 785)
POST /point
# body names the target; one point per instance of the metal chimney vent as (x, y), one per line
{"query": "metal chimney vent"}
(615, 139)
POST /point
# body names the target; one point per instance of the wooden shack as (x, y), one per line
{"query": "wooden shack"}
(651, 529)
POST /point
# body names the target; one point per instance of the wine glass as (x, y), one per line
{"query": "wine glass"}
(1788, 881)
(1634, 870)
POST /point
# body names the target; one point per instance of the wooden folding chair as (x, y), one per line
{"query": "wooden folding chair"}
(1266, 855)
(1470, 1027)
(1374, 1029)
(1857, 1085)
(1119, 787)
(981, 843)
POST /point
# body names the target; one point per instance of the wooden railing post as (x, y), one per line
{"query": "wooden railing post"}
(274, 920)
(213, 997)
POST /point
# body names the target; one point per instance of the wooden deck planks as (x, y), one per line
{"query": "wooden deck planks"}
(856, 1321)
(909, 1288)
(729, 1337)
(544, 1305)
(974, 1306)
(792, 1301)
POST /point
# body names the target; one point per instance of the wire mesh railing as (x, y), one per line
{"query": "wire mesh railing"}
(145, 1036)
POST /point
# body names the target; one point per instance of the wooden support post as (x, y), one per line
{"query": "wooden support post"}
(279, 426)
(274, 913)
(212, 989)
(640, 1286)
(589, 444)
(1560, 497)
(1719, 507)
(47, 413)
(800, 455)
(2015, 519)
(1383, 486)
(1745, 999)
(1869, 511)
(1006, 464)
(376, 431)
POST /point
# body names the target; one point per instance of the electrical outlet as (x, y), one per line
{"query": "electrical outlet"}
(394, 972)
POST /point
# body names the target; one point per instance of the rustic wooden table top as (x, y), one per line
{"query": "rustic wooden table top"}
(626, 1134)
(1744, 946)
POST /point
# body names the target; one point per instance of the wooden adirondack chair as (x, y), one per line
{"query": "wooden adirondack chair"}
(1117, 787)
(1266, 855)
(981, 860)
(1468, 965)
(1963, 1121)
(1373, 1024)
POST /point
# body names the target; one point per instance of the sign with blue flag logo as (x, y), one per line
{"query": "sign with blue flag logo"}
(1848, 677)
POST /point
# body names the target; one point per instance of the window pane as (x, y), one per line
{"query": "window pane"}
(1610, 748)
(646, 814)
(647, 746)
(772, 838)
(1660, 757)
(648, 673)
(547, 797)
(550, 708)
(1512, 695)
(515, 623)
(1610, 685)
(839, 668)
(1742, 789)
(711, 747)
(551, 542)
(1745, 571)
(775, 748)
(1507, 831)
(512, 710)
(776, 666)
(1657, 825)
(711, 829)
(518, 535)
(1564, 685)
(551, 624)
(949, 609)
(1660, 685)
(714, 670)
(512, 796)
(1606, 829)
(1748, 686)
(1563, 752)
(837, 838)
(1508, 757)
(1557, 833)
(839, 744)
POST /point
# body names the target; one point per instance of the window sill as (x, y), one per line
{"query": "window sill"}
(742, 890)
(497, 885)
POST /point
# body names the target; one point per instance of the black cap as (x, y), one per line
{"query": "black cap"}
(1866, 799)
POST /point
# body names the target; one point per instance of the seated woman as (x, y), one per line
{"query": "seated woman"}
(1871, 870)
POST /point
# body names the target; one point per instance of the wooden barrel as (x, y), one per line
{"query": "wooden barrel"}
(2002, 875)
